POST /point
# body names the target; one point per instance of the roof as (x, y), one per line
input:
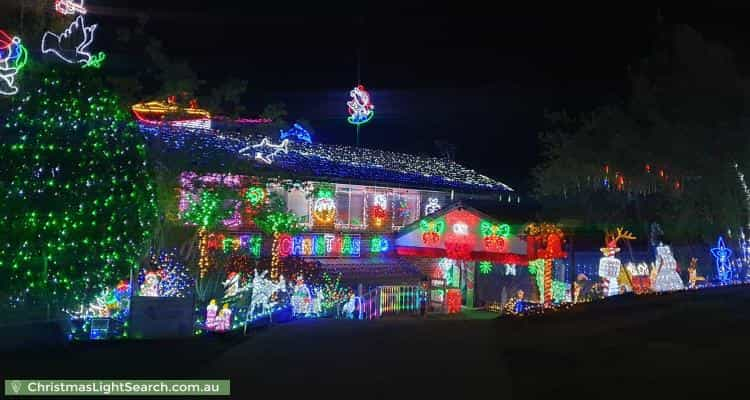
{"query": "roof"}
(336, 163)
(462, 232)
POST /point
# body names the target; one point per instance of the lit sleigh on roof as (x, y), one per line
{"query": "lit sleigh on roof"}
(170, 113)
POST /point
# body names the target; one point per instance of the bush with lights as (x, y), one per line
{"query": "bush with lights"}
(78, 203)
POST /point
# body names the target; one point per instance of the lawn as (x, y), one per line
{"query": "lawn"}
(686, 343)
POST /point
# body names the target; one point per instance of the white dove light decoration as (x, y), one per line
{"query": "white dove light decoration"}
(269, 155)
(53, 43)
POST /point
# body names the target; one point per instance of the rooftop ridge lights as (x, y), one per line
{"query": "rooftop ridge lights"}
(331, 161)
(268, 157)
(51, 43)
(360, 106)
(13, 58)
(70, 7)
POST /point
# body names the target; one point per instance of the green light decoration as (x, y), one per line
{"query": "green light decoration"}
(208, 211)
(227, 244)
(437, 226)
(559, 291)
(324, 193)
(23, 58)
(255, 244)
(485, 267)
(78, 203)
(95, 61)
(536, 268)
(277, 222)
(489, 229)
(320, 248)
(255, 195)
(333, 293)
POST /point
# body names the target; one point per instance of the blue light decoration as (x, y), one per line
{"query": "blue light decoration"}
(296, 133)
(360, 106)
(171, 278)
(722, 254)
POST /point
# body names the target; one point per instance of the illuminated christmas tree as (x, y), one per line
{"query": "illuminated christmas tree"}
(77, 200)
(667, 279)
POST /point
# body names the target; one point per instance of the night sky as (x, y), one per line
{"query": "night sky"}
(477, 77)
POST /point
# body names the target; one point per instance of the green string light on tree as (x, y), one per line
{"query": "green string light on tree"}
(77, 199)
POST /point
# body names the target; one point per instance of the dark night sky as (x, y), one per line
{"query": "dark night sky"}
(477, 77)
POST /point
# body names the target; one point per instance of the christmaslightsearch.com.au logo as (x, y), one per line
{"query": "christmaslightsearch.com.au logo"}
(94, 387)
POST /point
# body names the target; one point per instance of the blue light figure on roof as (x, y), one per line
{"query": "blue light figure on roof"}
(296, 133)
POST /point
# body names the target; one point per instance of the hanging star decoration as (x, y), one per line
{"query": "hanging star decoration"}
(265, 151)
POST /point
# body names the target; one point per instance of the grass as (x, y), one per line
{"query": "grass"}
(687, 343)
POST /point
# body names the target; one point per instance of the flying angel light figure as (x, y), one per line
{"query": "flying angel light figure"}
(13, 57)
(78, 35)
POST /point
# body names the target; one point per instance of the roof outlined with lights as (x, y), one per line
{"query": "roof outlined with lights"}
(337, 163)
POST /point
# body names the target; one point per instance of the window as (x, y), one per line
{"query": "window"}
(405, 207)
(350, 211)
(298, 203)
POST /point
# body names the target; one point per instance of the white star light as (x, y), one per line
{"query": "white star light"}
(274, 149)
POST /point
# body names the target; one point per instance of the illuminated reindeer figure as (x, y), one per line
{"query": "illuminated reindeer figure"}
(609, 266)
(263, 290)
